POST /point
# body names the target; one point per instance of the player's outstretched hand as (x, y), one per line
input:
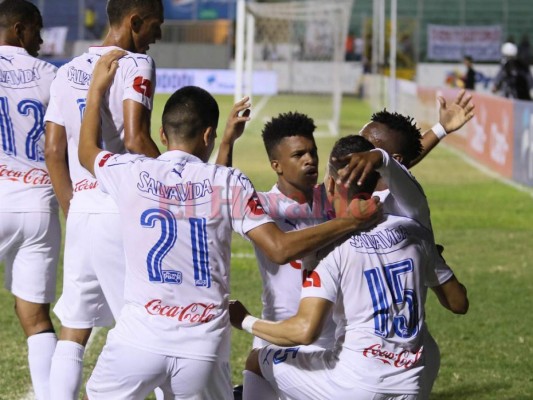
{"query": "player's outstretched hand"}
(237, 313)
(453, 116)
(239, 115)
(104, 71)
(357, 166)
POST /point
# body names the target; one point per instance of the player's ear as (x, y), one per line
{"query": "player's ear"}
(276, 166)
(207, 137)
(18, 30)
(330, 186)
(163, 137)
(398, 157)
(136, 22)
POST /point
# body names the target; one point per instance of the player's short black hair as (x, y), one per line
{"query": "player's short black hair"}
(286, 125)
(348, 145)
(468, 58)
(188, 112)
(13, 11)
(118, 9)
(410, 145)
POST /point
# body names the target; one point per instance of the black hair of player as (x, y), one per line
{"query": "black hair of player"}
(188, 112)
(118, 9)
(286, 125)
(13, 11)
(348, 145)
(410, 137)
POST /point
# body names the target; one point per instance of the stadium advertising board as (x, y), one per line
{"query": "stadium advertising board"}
(199, 9)
(451, 43)
(523, 143)
(216, 81)
(488, 137)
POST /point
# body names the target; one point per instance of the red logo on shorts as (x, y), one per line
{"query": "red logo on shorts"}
(104, 159)
(143, 86)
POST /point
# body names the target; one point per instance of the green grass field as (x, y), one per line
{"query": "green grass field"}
(485, 226)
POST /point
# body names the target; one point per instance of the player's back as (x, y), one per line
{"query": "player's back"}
(24, 95)
(67, 105)
(383, 275)
(178, 215)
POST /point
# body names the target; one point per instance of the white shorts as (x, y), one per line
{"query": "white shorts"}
(126, 372)
(312, 373)
(29, 245)
(94, 267)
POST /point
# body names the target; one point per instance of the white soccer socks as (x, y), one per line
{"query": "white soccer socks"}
(256, 387)
(66, 371)
(40, 351)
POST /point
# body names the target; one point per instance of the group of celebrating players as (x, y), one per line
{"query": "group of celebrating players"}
(345, 264)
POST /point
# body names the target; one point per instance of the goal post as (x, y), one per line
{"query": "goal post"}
(304, 43)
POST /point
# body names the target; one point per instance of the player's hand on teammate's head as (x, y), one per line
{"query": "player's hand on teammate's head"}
(104, 71)
(237, 312)
(357, 166)
(453, 116)
(239, 115)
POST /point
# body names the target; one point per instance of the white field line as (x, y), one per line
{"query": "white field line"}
(30, 395)
(488, 172)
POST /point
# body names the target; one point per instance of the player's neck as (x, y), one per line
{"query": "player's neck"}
(118, 37)
(294, 193)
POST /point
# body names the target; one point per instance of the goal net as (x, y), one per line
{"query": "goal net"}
(304, 43)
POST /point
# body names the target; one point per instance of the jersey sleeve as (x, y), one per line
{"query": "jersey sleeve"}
(139, 79)
(324, 280)
(439, 271)
(53, 112)
(408, 194)
(111, 169)
(246, 210)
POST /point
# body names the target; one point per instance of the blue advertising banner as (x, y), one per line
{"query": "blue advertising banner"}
(523, 143)
(199, 9)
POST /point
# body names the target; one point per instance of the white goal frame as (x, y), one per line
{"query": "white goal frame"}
(338, 11)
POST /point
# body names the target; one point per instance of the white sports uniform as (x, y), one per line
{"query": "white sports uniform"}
(93, 285)
(378, 282)
(282, 283)
(177, 216)
(29, 230)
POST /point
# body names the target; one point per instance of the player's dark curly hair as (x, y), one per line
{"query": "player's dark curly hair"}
(12, 11)
(286, 125)
(409, 134)
(348, 145)
(118, 9)
(188, 112)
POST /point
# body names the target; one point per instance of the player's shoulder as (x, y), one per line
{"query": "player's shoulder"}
(137, 60)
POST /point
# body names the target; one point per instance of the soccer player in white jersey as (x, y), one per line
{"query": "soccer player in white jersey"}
(294, 203)
(94, 261)
(29, 228)
(179, 213)
(376, 284)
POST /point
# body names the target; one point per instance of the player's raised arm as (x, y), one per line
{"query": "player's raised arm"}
(103, 74)
(301, 329)
(239, 115)
(452, 117)
(281, 247)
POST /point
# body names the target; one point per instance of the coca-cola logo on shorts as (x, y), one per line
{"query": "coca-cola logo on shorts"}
(404, 359)
(193, 313)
